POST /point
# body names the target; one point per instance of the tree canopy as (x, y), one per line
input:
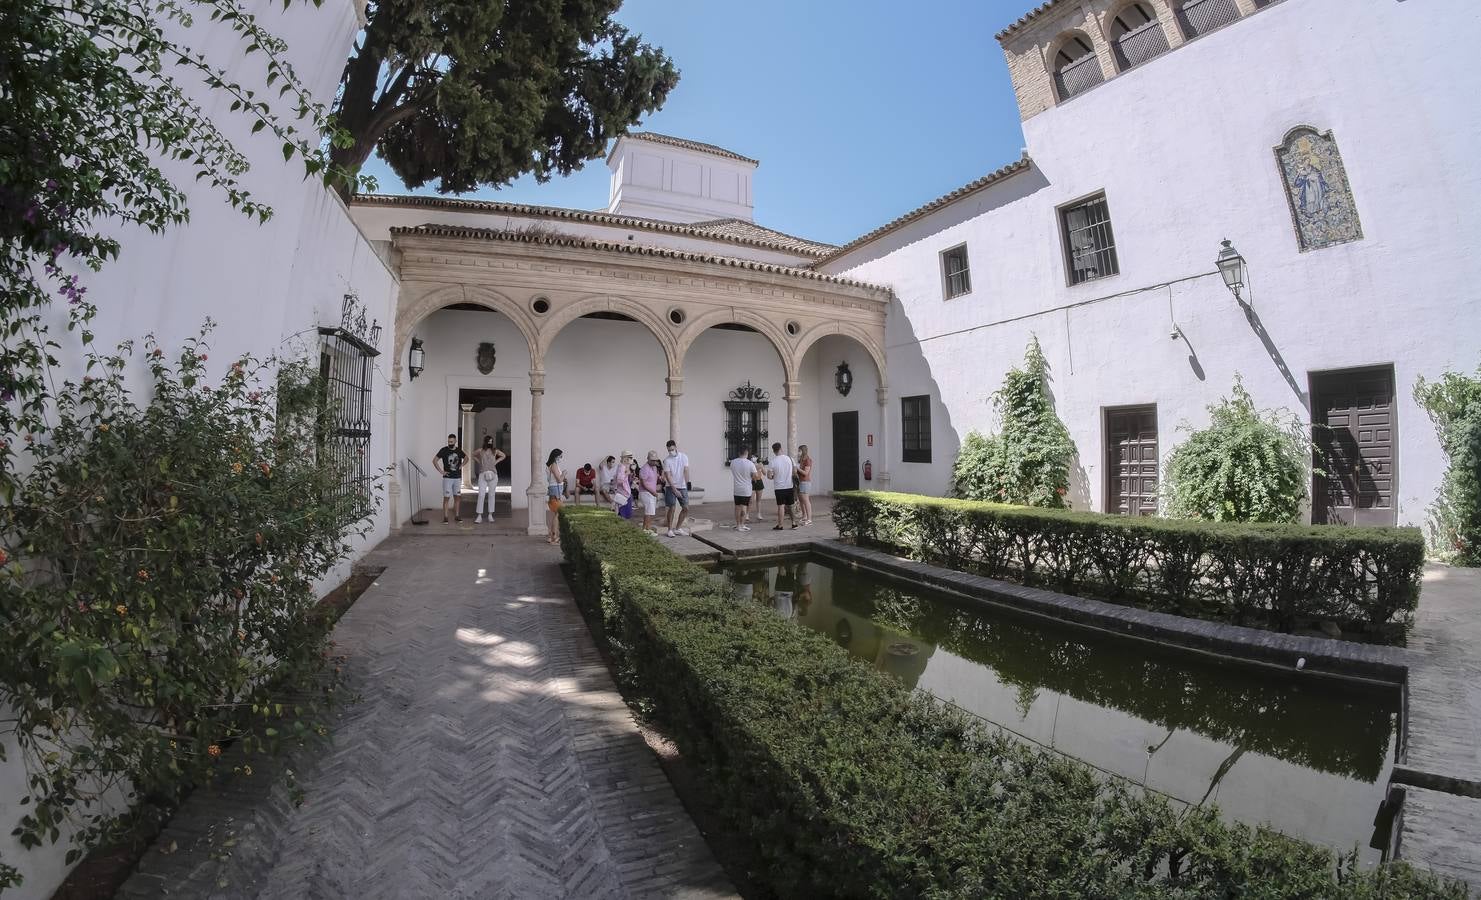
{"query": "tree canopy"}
(465, 93)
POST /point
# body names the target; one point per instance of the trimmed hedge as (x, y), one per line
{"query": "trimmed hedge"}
(846, 784)
(1283, 577)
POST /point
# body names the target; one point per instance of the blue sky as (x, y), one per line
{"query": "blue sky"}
(859, 110)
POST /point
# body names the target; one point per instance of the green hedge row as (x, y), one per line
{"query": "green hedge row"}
(1285, 577)
(848, 785)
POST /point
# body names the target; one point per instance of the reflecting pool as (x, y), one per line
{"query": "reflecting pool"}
(1311, 758)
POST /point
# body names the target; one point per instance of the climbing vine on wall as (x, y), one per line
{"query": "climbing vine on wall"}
(1454, 404)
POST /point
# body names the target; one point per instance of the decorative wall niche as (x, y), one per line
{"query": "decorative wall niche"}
(1322, 207)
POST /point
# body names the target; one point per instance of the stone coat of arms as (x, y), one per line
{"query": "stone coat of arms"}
(486, 358)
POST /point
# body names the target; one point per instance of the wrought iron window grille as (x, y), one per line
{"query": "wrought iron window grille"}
(345, 365)
(746, 422)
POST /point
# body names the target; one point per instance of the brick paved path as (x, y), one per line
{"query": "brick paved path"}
(490, 756)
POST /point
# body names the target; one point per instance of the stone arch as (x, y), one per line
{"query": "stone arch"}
(849, 330)
(1068, 67)
(729, 314)
(410, 314)
(1136, 31)
(567, 313)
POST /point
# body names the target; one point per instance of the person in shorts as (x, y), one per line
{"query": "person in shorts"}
(676, 488)
(586, 483)
(649, 477)
(758, 487)
(804, 483)
(449, 464)
(555, 490)
(782, 469)
(742, 470)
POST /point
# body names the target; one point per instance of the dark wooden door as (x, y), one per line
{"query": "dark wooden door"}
(845, 451)
(1131, 461)
(1352, 417)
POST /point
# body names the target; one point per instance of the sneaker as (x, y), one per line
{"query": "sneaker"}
(478, 520)
(776, 528)
(682, 532)
(671, 533)
(743, 528)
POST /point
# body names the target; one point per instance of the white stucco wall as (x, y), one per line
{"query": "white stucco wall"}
(1182, 148)
(266, 286)
(678, 184)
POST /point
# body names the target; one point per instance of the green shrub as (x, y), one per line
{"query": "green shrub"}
(1454, 403)
(1271, 576)
(1028, 460)
(1246, 466)
(158, 567)
(845, 784)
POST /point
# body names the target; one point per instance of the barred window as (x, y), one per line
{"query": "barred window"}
(955, 276)
(916, 428)
(1199, 17)
(344, 436)
(745, 423)
(1090, 248)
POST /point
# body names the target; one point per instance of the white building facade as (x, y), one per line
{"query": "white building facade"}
(1332, 143)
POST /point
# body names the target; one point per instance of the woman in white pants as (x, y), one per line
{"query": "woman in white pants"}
(488, 459)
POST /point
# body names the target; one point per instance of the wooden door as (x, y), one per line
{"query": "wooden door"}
(846, 451)
(1353, 426)
(1131, 461)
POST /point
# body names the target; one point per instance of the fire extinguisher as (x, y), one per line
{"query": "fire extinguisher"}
(868, 470)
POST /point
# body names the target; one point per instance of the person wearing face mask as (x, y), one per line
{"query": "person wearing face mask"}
(449, 464)
(676, 488)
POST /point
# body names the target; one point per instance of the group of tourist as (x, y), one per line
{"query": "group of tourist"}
(791, 481)
(620, 482)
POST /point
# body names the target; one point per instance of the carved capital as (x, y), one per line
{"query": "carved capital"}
(675, 385)
(882, 395)
(537, 381)
(792, 391)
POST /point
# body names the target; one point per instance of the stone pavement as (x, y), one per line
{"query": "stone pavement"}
(488, 755)
(1440, 825)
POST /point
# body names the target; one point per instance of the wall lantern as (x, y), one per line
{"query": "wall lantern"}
(1231, 266)
(843, 379)
(415, 358)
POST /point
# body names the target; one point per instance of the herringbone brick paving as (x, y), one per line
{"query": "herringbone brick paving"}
(488, 756)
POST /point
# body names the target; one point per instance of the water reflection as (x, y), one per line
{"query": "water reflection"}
(1309, 758)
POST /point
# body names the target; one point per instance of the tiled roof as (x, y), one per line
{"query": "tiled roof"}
(564, 240)
(1023, 164)
(687, 144)
(746, 233)
(741, 230)
(1027, 18)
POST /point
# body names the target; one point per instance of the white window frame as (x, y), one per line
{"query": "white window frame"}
(965, 272)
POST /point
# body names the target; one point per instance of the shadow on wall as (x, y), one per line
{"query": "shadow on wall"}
(1276, 357)
(1079, 489)
(910, 375)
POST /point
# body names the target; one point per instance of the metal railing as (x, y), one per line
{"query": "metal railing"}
(1078, 76)
(1140, 44)
(414, 476)
(1202, 16)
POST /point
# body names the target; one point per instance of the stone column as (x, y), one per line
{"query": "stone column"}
(792, 392)
(470, 441)
(882, 479)
(536, 492)
(675, 391)
(1246, 7)
(393, 489)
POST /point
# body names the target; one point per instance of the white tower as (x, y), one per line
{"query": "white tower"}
(655, 176)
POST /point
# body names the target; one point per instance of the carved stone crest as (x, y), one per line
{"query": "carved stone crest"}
(486, 358)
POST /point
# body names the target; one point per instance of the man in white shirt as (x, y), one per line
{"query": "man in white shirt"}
(606, 471)
(742, 471)
(676, 488)
(781, 470)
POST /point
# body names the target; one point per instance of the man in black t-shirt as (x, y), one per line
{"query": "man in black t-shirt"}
(449, 464)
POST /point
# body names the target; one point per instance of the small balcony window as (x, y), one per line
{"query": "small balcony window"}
(1199, 17)
(955, 276)
(1076, 68)
(1137, 36)
(1090, 247)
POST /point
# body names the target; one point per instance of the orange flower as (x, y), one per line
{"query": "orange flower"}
(4, 557)
(214, 750)
(143, 574)
(103, 427)
(241, 635)
(121, 610)
(259, 539)
(266, 469)
(236, 468)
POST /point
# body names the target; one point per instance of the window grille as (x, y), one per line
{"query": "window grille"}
(745, 423)
(915, 414)
(344, 442)
(1202, 16)
(955, 271)
(1090, 247)
(1079, 76)
(1141, 44)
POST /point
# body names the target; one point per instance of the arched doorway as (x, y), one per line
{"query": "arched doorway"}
(845, 426)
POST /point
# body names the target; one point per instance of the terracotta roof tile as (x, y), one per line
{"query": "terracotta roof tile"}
(563, 240)
(747, 233)
(656, 138)
(1023, 164)
(1027, 18)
